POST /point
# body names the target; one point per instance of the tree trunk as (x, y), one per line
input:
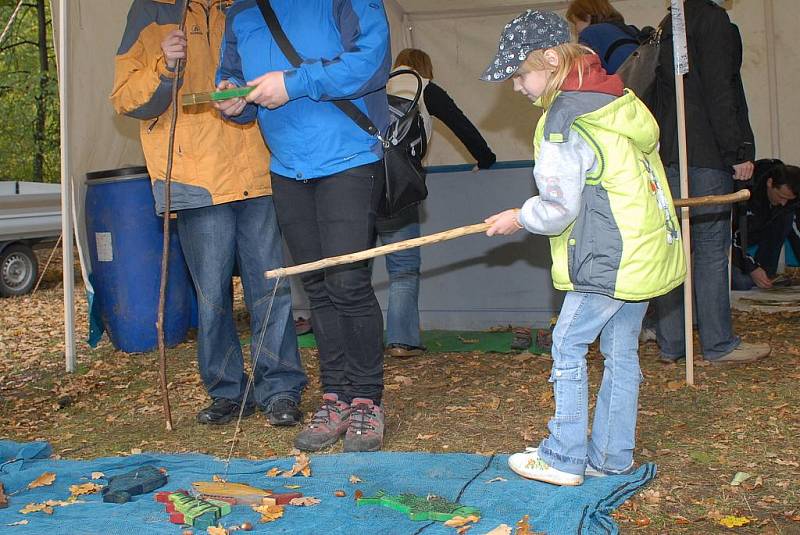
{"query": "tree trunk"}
(39, 137)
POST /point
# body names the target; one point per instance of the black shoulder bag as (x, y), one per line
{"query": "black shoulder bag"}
(402, 147)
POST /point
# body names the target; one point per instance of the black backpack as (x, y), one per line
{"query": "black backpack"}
(405, 144)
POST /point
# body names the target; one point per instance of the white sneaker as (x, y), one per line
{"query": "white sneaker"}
(530, 466)
(593, 472)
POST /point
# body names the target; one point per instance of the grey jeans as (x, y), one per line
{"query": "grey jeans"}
(711, 241)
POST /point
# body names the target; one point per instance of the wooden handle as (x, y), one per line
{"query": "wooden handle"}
(730, 198)
(742, 195)
(379, 251)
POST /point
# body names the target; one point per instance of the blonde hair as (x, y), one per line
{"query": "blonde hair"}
(593, 12)
(570, 56)
(417, 59)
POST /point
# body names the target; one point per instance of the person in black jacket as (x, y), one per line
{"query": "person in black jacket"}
(720, 149)
(402, 318)
(764, 221)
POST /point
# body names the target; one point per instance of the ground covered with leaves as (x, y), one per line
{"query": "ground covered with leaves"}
(727, 447)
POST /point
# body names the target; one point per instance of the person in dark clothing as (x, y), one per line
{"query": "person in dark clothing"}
(602, 28)
(327, 180)
(764, 221)
(720, 149)
(402, 321)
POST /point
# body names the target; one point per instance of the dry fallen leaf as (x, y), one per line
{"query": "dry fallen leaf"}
(458, 521)
(216, 530)
(302, 465)
(43, 480)
(731, 521)
(269, 513)
(355, 479)
(35, 508)
(739, 478)
(3, 497)
(502, 529)
(305, 501)
(98, 475)
(292, 487)
(496, 479)
(339, 493)
(424, 437)
(19, 523)
(523, 526)
(217, 479)
(273, 472)
(463, 529)
(86, 488)
(358, 495)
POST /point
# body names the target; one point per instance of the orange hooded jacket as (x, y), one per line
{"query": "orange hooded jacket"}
(215, 161)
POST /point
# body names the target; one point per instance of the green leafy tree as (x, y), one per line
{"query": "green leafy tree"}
(29, 118)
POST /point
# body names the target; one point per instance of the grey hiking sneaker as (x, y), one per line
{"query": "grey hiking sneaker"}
(745, 352)
(365, 432)
(326, 426)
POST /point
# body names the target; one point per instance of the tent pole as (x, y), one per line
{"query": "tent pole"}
(681, 61)
(66, 190)
(772, 78)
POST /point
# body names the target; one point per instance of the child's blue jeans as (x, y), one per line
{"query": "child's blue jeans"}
(583, 317)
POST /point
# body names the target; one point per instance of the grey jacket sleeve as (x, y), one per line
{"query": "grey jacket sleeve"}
(560, 173)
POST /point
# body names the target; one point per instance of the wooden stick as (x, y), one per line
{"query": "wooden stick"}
(730, 198)
(379, 251)
(457, 233)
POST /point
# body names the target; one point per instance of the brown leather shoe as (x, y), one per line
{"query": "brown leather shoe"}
(404, 350)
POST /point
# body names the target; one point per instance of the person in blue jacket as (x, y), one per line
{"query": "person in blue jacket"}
(602, 28)
(327, 180)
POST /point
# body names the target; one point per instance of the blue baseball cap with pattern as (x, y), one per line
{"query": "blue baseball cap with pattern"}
(532, 30)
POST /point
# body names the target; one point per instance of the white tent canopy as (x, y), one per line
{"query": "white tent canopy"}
(460, 36)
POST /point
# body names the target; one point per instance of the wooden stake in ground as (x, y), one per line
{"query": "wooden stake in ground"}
(458, 232)
(162, 293)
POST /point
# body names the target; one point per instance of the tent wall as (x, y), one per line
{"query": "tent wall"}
(97, 138)
(462, 42)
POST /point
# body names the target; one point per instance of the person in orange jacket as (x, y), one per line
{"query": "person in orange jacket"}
(221, 192)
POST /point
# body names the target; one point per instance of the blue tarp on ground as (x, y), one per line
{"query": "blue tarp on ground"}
(465, 478)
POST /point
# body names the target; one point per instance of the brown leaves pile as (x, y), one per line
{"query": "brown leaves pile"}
(269, 513)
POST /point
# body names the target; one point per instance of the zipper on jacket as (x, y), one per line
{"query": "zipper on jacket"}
(588, 137)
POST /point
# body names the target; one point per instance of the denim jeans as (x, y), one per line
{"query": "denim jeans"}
(402, 316)
(213, 239)
(711, 241)
(583, 316)
(332, 216)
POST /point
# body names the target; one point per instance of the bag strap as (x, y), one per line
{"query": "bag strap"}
(349, 109)
(618, 43)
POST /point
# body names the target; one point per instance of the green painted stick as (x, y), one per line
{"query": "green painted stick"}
(213, 96)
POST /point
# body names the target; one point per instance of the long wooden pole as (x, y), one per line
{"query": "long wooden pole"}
(458, 232)
(162, 291)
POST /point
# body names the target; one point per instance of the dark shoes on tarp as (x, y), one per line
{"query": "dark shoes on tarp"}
(281, 412)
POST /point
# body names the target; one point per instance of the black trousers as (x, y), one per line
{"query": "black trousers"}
(332, 216)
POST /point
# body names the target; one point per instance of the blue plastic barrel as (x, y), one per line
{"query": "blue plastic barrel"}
(125, 242)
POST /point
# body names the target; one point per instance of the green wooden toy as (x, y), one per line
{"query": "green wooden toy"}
(422, 508)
